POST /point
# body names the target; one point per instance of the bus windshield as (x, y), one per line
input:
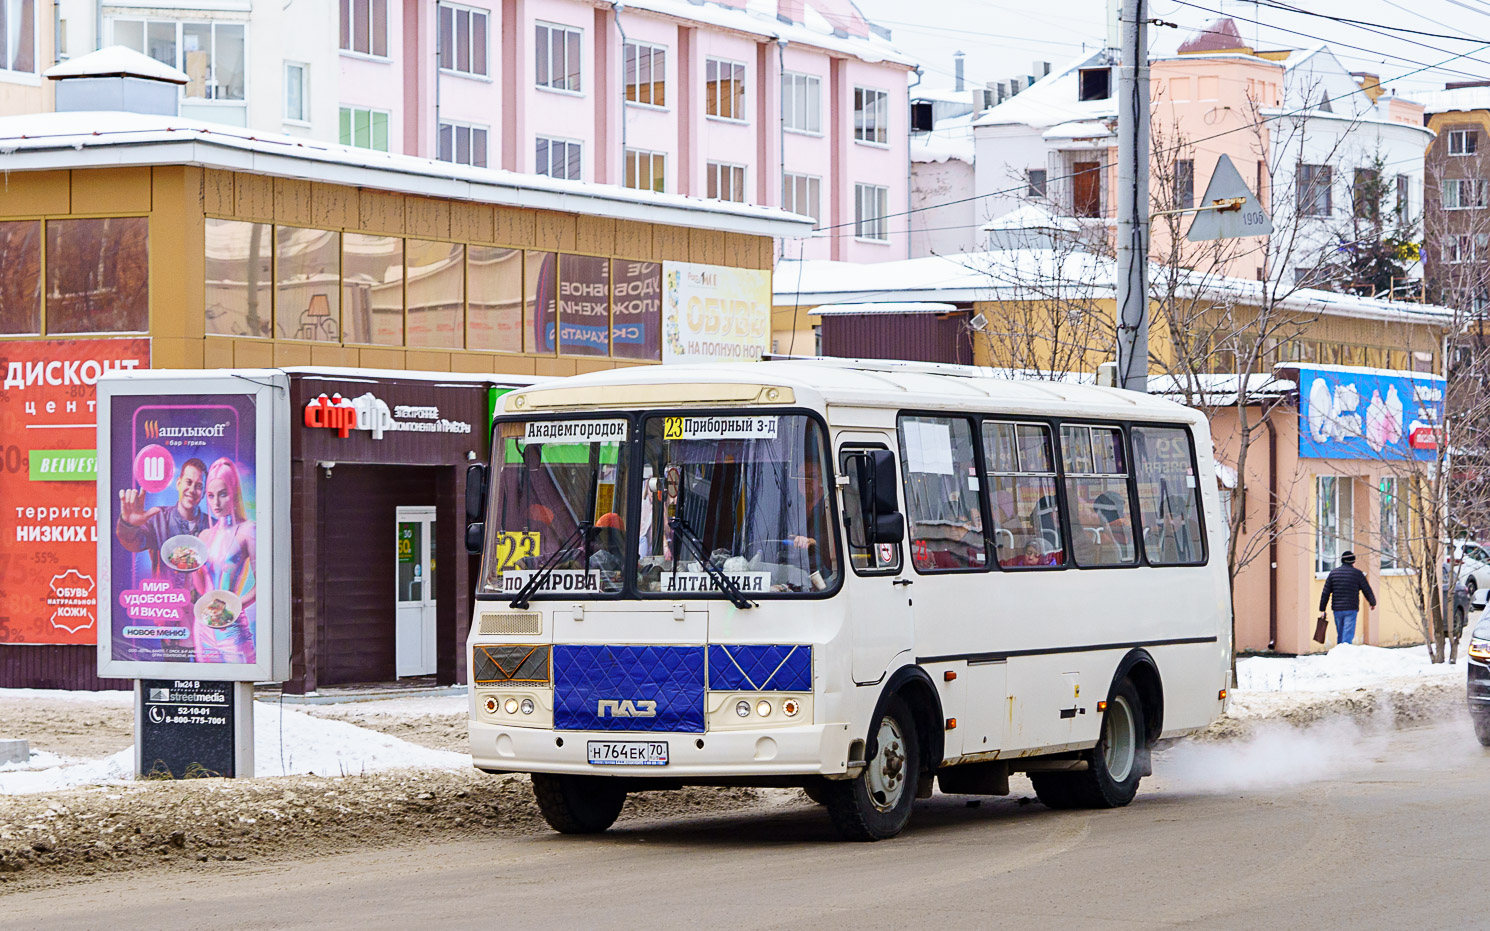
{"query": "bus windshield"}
(558, 493)
(750, 495)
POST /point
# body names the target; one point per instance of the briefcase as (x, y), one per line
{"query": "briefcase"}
(1319, 629)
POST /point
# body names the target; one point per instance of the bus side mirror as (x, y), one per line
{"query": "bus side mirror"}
(476, 493)
(474, 536)
(878, 502)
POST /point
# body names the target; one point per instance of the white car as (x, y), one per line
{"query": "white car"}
(1471, 565)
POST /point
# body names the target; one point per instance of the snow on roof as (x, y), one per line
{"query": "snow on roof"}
(1030, 274)
(945, 94)
(462, 379)
(116, 61)
(1052, 99)
(1455, 99)
(1032, 217)
(53, 141)
(809, 22)
(882, 307)
(951, 138)
(1082, 129)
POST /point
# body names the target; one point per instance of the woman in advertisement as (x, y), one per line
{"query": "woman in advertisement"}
(225, 586)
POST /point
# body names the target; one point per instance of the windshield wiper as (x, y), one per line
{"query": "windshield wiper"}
(524, 594)
(721, 578)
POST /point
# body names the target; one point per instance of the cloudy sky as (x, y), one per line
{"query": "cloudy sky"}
(1002, 37)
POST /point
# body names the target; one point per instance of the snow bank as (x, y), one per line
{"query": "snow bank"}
(120, 698)
(1347, 666)
(288, 743)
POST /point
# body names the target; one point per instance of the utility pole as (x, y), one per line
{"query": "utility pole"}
(1133, 199)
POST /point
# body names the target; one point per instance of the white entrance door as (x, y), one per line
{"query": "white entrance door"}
(414, 635)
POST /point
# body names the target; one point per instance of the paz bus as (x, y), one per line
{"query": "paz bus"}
(864, 579)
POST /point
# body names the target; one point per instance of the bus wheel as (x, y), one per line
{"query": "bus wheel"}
(578, 804)
(877, 804)
(1114, 766)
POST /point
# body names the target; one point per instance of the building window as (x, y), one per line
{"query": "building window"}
(18, 36)
(1184, 183)
(871, 116)
(98, 274)
(556, 56)
(240, 278)
(307, 285)
(558, 158)
(636, 310)
(1464, 141)
(463, 144)
(1037, 181)
(802, 194)
(1394, 524)
(1458, 248)
(1333, 524)
(646, 171)
(726, 182)
(1365, 195)
(1094, 83)
(871, 203)
(1314, 190)
(364, 128)
(297, 92)
(1404, 198)
(211, 54)
(584, 305)
(364, 27)
(646, 74)
(436, 294)
(724, 89)
(372, 289)
(1463, 194)
(20, 282)
(802, 102)
(463, 36)
(494, 299)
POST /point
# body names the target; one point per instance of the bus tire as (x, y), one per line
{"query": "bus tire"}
(1114, 767)
(877, 804)
(1481, 729)
(578, 804)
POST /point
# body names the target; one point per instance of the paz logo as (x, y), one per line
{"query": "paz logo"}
(626, 708)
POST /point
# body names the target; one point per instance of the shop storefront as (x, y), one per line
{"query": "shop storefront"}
(163, 243)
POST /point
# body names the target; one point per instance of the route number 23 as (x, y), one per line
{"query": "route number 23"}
(513, 546)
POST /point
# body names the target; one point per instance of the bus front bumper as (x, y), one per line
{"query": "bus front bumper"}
(814, 749)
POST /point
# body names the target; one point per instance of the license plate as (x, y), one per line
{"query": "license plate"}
(628, 752)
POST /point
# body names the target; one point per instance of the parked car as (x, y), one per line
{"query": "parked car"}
(1478, 663)
(1471, 565)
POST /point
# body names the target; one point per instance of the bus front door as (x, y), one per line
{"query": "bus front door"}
(879, 595)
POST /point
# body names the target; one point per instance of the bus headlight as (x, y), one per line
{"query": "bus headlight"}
(527, 706)
(510, 706)
(743, 708)
(490, 704)
(763, 708)
(790, 707)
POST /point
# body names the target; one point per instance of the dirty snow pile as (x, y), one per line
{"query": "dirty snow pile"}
(1346, 666)
(286, 743)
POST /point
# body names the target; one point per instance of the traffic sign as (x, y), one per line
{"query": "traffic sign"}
(1229, 209)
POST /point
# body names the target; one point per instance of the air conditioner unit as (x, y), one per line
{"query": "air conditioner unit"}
(979, 323)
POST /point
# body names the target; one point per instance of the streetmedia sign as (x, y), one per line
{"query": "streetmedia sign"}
(193, 500)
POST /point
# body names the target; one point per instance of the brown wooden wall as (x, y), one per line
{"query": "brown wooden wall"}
(906, 337)
(53, 667)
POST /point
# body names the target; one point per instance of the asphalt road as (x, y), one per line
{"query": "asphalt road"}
(1330, 828)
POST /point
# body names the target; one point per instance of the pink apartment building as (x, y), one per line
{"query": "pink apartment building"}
(793, 103)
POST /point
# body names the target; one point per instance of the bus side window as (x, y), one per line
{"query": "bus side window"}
(1096, 467)
(1168, 496)
(878, 557)
(943, 494)
(1021, 478)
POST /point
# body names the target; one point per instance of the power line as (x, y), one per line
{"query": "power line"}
(1287, 8)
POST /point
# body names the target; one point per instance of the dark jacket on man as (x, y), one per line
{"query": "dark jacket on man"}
(1345, 584)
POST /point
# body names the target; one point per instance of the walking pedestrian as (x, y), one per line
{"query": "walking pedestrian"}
(1344, 585)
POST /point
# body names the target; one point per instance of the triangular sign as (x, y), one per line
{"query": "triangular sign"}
(1228, 222)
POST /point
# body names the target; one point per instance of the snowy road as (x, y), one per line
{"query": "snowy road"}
(1327, 828)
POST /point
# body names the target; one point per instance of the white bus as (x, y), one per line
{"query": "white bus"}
(864, 579)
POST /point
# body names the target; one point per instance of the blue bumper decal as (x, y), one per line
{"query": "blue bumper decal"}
(629, 688)
(760, 668)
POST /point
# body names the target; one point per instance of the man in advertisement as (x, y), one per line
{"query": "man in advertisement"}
(142, 531)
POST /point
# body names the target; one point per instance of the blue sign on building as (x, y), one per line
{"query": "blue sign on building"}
(1363, 414)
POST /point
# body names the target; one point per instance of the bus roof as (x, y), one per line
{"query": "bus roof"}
(849, 383)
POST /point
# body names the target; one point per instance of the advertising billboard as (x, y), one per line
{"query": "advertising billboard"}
(193, 475)
(48, 528)
(1349, 413)
(712, 313)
